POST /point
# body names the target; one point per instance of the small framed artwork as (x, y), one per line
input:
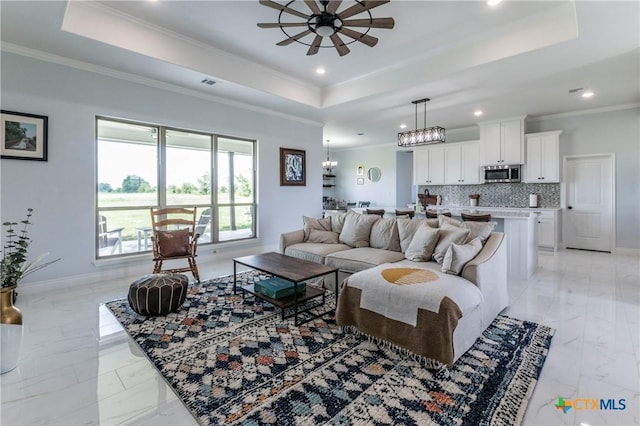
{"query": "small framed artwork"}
(360, 181)
(292, 167)
(23, 136)
(360, 170)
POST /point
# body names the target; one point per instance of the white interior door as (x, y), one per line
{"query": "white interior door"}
(589, 202)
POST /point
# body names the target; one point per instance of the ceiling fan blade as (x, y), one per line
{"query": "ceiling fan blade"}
(339, 44)
(359, 8)
(277, 6)
(313, 6)
(291, 39)
(333, 6)
(363, 38)
(315, 46)
(371, 23)
(282, 24)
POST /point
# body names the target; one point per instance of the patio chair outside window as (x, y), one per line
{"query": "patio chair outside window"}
(174, 237)
(109, 237)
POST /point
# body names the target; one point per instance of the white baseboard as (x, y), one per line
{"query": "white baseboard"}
(127, 268)
(627, 251)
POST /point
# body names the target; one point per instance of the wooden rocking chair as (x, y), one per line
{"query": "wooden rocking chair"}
(174, 237)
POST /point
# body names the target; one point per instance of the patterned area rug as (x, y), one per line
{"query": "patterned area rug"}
(235, 361)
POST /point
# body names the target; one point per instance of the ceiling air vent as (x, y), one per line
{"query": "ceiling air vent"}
(208, 81)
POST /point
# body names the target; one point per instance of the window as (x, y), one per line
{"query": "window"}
(141, 166)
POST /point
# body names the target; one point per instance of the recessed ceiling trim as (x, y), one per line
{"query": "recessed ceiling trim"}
(101, 23)
(544, 29)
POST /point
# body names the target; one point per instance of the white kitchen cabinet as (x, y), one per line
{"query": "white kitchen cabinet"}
(462, 165)
(502, 142)
(543, 157)
(428, 166)
(547, 229)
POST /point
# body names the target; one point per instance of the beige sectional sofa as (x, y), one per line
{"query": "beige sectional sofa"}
(456, 253)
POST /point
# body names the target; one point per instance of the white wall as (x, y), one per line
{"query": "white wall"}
(607, 132)
(381, 193)
(62, 190)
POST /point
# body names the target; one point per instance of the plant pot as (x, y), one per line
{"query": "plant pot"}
(10, 331)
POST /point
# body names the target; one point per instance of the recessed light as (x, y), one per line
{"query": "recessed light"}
(477, 113)
(587, 94)
(320, 71)
(403, 126)
(493, 2)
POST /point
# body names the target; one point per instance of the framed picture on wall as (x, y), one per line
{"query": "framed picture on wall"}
(360, 170)
(292, 167)
(360, 181)
(23, 136)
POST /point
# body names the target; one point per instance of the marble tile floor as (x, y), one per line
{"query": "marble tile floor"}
(78, 366)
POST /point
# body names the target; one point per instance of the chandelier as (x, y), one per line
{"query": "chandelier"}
(328, 164)
(428, 135)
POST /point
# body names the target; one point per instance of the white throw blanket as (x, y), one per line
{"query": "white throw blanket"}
(412, 288)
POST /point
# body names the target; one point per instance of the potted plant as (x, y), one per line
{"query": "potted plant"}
(14, 267)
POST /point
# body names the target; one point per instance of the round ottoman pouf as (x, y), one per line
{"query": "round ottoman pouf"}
(158, 294)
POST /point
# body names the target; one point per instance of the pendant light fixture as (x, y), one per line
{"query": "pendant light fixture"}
(328, 164)
(425, 136)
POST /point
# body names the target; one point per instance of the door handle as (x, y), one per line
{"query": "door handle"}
(570, 207)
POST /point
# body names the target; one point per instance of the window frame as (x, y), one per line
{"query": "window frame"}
(161, 187)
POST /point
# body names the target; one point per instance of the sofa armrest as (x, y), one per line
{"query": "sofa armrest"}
(290, 238)
(488, 271)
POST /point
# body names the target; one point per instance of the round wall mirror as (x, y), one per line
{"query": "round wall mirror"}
(374, 174)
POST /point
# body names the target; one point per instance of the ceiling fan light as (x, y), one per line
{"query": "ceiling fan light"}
(325, 30)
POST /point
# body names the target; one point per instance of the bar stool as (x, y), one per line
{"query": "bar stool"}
(475, 217)
(433, 214)
(379, 212)
(409, 213)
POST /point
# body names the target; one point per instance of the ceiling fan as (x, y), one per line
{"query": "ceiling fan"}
(326, 21)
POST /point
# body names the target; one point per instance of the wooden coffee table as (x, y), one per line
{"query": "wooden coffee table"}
(291, 269)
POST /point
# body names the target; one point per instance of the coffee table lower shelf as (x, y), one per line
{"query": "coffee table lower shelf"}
(293, 302)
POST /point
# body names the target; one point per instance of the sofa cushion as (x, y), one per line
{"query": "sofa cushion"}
(406, 229)
(449, 234)
(422, 244)
(310, 223)
(359, 259)
(327, 237)
(337, 220)
(458, 255)
(357, 229)
(384, 234)
(315, 252)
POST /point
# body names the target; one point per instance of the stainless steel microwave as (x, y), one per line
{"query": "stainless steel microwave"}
(501, 173)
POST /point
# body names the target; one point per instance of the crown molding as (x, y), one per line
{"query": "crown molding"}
(610, 108)
(146, 81)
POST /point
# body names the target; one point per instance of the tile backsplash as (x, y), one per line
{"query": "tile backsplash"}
(497, 194)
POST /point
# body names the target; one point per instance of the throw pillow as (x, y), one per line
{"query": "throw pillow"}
(310, 223)
(337, 220)
(422, 244)
(458, 255)
(173, 243)
(406, 230)
(357, 228)
(326, 237)
(480, 230)
(434, 223)
(384, 234)
(442, 219)
(449, 234)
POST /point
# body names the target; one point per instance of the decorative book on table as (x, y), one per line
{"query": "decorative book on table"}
(277, 288)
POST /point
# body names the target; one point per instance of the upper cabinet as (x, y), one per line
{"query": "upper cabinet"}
(543, 158)
(462, 165)
(502, 142)
(428, 166)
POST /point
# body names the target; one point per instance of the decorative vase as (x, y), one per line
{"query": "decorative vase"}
(11, 331)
